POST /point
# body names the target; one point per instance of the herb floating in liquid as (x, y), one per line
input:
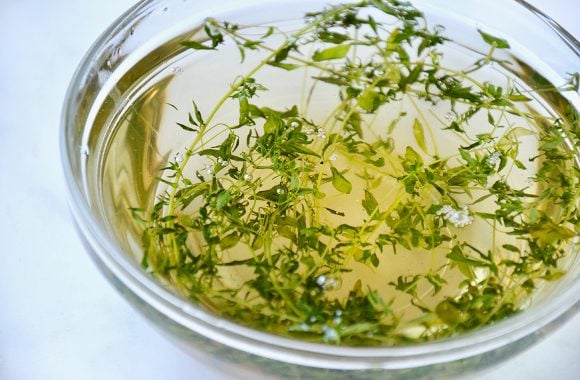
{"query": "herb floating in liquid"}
(290, 211)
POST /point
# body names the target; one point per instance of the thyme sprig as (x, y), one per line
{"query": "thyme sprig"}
(266, 233)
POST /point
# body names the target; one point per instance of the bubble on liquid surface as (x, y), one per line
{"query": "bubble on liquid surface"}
(438, 28)
(450, 116)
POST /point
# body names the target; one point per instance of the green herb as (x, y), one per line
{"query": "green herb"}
(290, 208)
(497, 42)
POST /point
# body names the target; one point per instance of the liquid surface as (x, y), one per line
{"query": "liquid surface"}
(360, 199)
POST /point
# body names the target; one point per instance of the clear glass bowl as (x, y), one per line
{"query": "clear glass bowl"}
(145, 39)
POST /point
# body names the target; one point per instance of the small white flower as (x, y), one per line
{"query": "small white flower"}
(379, 72)
(459, 218)
(494, 158)
(327, 283)
(330, 334)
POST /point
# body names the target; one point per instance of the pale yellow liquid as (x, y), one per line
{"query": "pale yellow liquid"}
(145, 138)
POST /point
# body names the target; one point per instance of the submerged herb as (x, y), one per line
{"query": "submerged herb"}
(293, 205)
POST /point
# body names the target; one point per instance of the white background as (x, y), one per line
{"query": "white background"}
(59, 318)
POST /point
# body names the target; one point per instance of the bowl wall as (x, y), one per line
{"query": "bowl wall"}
(138, 42)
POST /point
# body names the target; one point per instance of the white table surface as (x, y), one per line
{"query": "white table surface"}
(59, 318)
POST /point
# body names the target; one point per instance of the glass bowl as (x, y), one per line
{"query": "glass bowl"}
(143, 43)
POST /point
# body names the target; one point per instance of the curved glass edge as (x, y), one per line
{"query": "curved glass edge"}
(243, 365)
(567, 37)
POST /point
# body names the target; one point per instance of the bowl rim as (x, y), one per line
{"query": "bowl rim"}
(270, 345)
